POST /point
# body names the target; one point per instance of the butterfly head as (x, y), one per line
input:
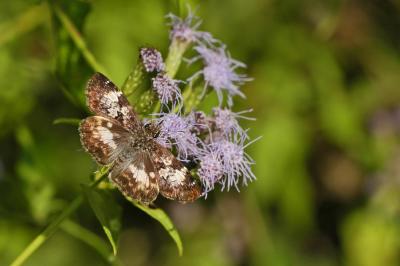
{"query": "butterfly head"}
(152, 129)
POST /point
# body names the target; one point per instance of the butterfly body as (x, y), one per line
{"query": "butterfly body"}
(141, 167)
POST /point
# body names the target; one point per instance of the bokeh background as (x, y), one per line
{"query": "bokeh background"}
(327, 101)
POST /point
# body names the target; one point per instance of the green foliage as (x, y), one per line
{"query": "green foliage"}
(68, 18)
(165, 221)
(107, 211)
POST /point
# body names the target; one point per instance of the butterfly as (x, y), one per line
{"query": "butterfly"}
(141, 167)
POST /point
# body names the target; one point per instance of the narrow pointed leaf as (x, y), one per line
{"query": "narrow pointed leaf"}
(107, 211)
(165, 221)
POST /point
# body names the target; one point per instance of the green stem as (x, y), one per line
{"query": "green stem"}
(49, 231)
(175, 56)
(78, 40)
(53, 226)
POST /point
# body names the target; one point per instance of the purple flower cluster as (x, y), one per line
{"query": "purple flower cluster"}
(186, 30)
(227, 123)
(166, 88)
(152, 59)
(176, 130)
(213, 144)
(219, 72)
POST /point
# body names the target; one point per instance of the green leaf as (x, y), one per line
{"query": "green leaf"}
(88, 237)
(74, 62)
(107, 211)
(165, 221)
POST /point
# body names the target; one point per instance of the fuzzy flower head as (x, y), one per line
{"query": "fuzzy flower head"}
(152, 59)
(186, 30)
(176, 130)
(227, 123)
(219, 72)
(211, 169)
(236, 163)
(167, 89)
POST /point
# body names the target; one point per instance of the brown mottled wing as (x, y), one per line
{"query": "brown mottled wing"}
(175, 180)
(136, 178)
(104, 98)
(103, 138)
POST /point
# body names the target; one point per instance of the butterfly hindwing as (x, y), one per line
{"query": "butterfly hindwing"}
(104, 98)
(103, 138)
(175, 180)
(136, 178)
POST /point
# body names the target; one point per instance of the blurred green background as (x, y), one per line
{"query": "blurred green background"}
(327, 101)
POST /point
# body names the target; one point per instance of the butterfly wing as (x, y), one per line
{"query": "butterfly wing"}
(104, 98)
(175, 180)
(136, 178)
(103, 138)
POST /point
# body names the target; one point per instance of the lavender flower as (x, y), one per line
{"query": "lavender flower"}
(185, 30)
(211, 169)
(152, 59)
(214, 144)
(219, 72)
(176, 130)
(226, 121)
(235, 161)
(167, 89)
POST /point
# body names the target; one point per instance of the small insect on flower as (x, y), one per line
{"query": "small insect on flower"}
(151, 59)
(219, 72)
(167, 89)
(141, 167)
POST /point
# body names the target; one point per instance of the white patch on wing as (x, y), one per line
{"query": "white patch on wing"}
(173, 176)
(125, 110)
(167, 160)
(110, 102)
(140, 175)
(106, 136)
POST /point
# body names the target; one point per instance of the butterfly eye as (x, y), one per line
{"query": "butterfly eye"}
(156, 133)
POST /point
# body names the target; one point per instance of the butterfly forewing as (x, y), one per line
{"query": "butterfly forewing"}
(104, 98)
(175, 180)
(136, 177)
(102, 138)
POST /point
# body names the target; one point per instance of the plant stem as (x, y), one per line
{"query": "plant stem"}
(49, 231)
(78, 40)
(175, 56)
(53, 226)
